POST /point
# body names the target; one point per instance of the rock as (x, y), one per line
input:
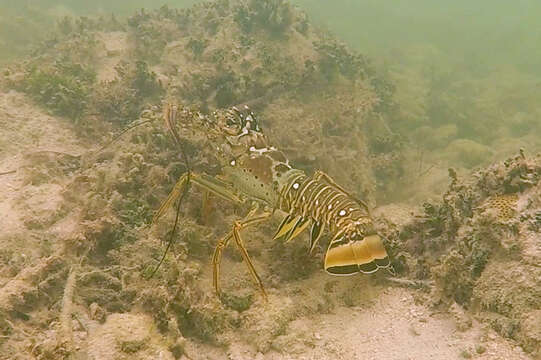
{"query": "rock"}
(530, 333)
(468, 152)
(462, 321)
(97, 313)
(127, 336)
(480, 349)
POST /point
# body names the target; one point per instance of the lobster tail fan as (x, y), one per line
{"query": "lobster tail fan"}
(348, 256)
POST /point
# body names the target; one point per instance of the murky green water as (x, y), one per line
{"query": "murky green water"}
(480, 33)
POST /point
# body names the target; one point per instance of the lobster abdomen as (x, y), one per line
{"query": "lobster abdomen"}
(355, 245)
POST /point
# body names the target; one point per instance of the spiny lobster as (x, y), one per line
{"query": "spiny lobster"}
(253, 171)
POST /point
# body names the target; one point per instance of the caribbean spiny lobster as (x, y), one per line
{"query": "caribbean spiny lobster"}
(253, 171)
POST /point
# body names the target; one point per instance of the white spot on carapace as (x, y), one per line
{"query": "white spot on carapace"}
(252, 148)
(342, 212)
(329, 207)
(296, 186)
(317, 202)
(233, 163)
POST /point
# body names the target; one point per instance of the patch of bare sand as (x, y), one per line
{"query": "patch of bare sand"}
(126, 336)
(115, 45)
(27, 129)
(25, 208)
(393, 325)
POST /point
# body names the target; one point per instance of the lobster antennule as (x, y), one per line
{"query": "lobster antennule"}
(348, 256)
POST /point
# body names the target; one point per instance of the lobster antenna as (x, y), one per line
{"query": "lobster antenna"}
(172, 236)
(170, 114)
(115, 139)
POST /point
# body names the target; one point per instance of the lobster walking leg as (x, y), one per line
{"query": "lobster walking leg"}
(181, 184)
(203, 181)
(206, 207)
(206, 183)
(249, 220)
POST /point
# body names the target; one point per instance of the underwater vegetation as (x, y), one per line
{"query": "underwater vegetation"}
(122, 99)
(64, 88)
(274, 16)
(63, 77)
(480, 245)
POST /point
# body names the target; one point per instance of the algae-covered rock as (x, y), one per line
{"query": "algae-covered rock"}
(477, 244)
(467, 152)
(436, 138)
(267, 321)
(509, 288)
(530, 332)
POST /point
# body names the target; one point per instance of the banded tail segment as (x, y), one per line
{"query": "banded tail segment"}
(355, 246)
(348, 256)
